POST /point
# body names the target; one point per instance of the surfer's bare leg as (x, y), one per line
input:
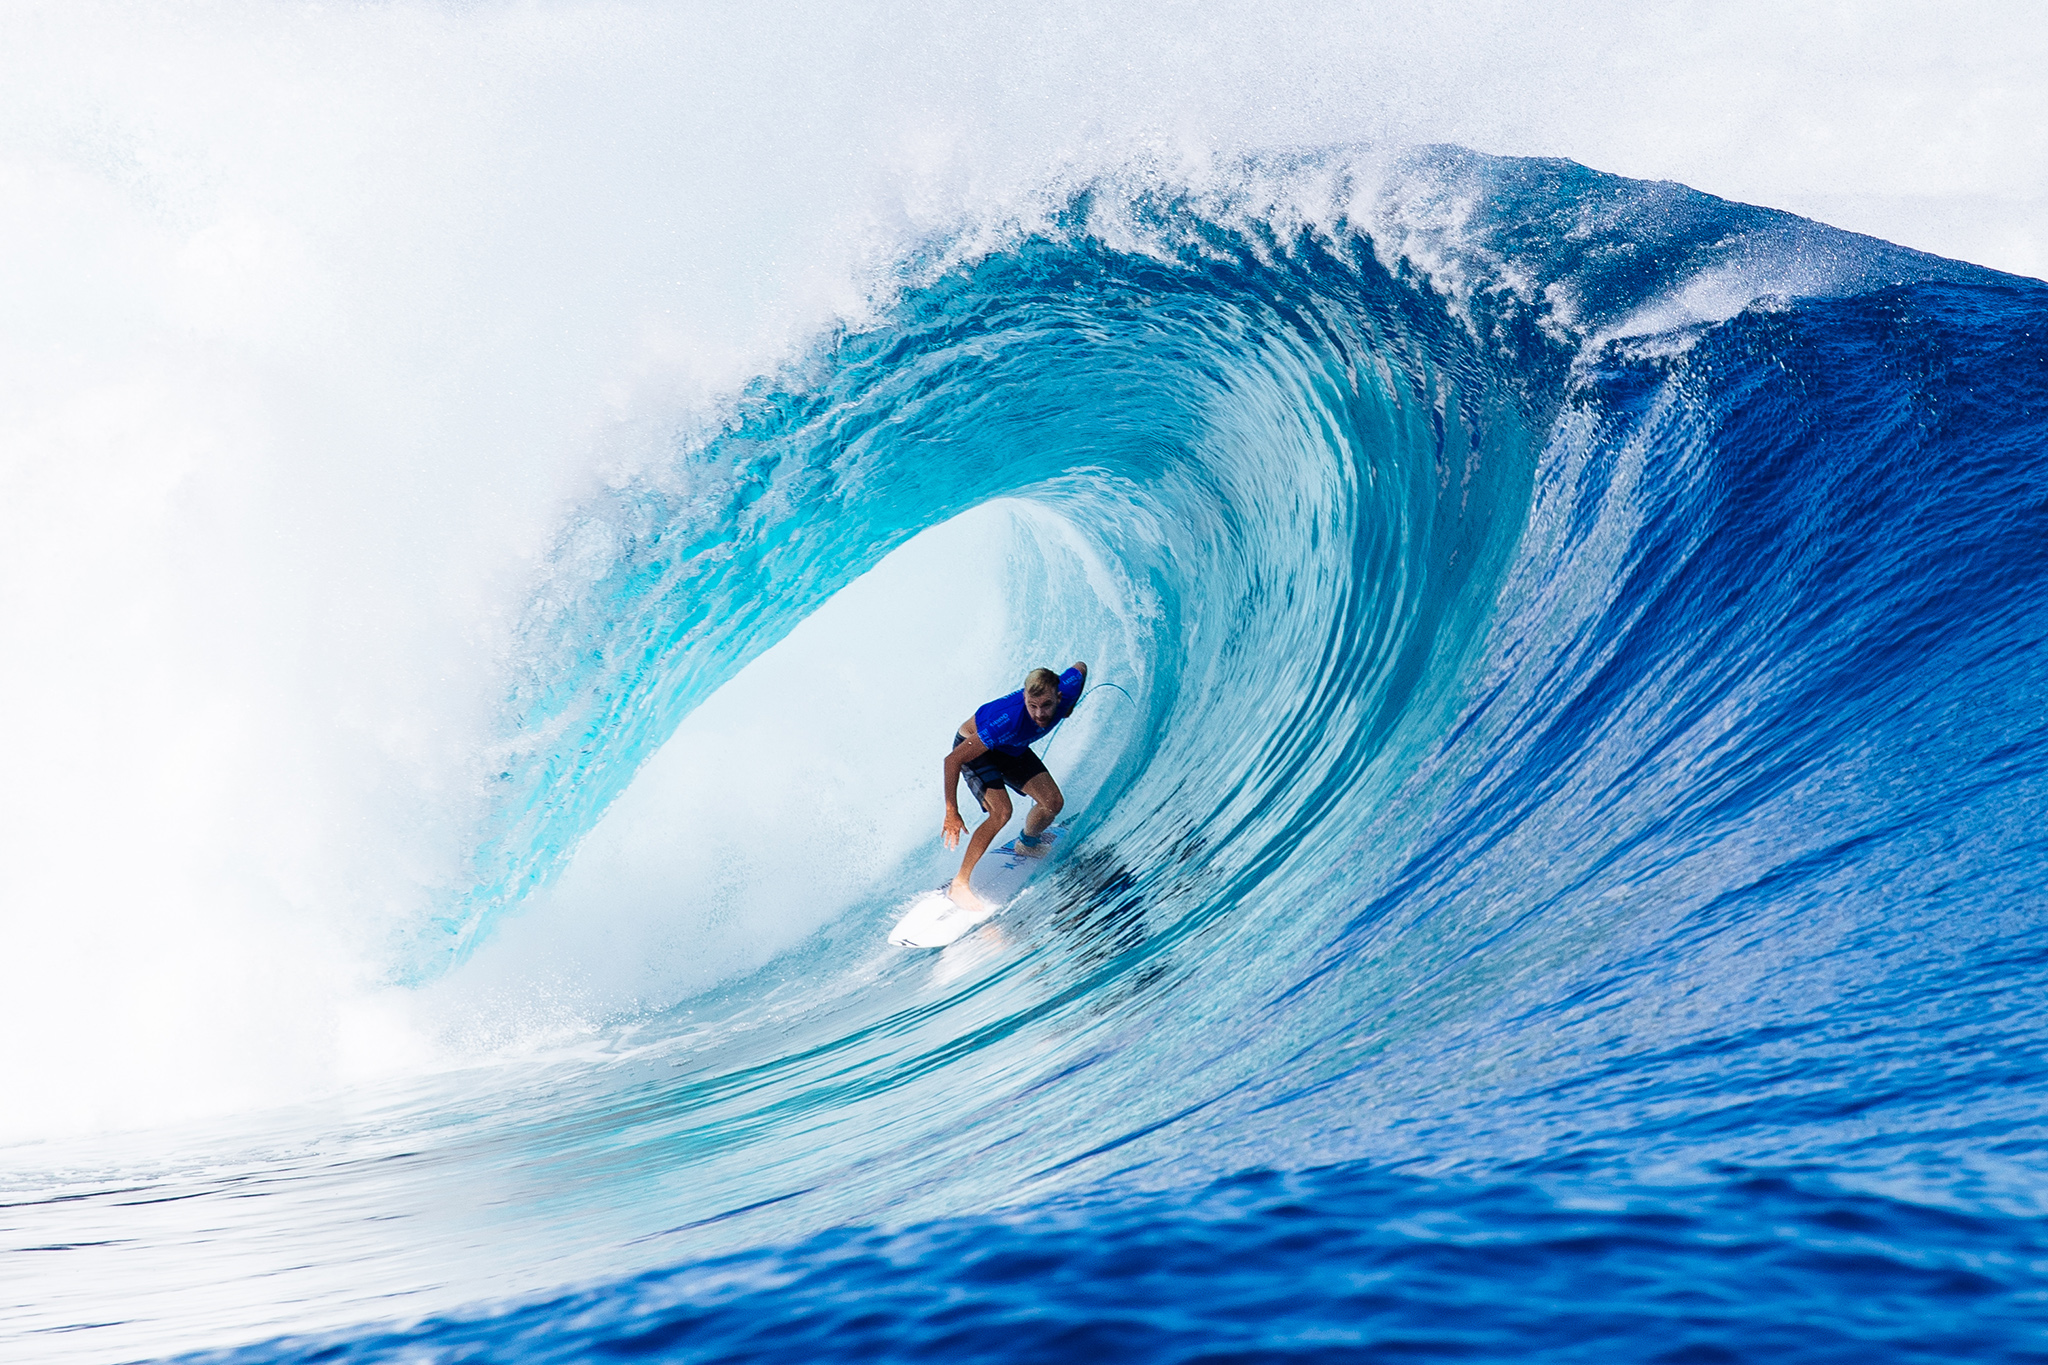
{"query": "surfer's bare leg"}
(1046, 793)
(997, 802)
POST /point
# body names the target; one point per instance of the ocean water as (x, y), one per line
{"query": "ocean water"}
(1560, 879)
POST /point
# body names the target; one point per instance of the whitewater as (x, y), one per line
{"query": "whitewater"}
(502, 508)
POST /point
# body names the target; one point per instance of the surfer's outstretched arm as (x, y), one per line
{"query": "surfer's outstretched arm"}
(996, 802)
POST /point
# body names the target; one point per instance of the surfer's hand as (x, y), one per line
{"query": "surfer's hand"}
(955, 828)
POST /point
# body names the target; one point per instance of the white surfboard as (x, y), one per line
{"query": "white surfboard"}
(935, 921)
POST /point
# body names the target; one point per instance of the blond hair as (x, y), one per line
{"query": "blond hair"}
(1041, 680)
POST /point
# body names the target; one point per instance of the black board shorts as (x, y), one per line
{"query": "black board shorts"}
(998, 769)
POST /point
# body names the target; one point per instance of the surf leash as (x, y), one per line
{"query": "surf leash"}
(1077, 706)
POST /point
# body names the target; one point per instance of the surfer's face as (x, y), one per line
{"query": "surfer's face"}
(1042, 706)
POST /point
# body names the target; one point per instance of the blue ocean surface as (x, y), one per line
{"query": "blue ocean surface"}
(1566, 880)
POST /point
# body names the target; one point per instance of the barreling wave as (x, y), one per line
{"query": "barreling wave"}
(1586, 650)
(1296, 464)
(1533, 583)
(1301, 415)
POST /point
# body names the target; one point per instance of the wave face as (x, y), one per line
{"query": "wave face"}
(1564, 877)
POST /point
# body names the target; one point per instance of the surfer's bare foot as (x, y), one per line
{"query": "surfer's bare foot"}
(1033, 850)
(961, 896)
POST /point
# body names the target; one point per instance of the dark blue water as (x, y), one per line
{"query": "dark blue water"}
(1567, 884)
(1348, 1263)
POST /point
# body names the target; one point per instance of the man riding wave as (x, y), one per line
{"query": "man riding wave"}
(993, 748)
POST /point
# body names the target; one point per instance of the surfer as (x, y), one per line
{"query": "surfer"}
(993, 747)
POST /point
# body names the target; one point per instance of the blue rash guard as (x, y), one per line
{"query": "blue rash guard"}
(1006, 727)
